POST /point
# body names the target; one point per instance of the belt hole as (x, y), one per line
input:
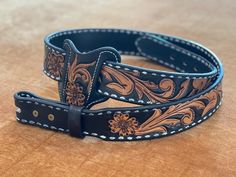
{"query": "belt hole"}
(35, 113)
(51, 117)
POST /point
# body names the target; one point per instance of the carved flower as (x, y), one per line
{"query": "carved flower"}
(55, 64)
(123, 124)
(74, 94)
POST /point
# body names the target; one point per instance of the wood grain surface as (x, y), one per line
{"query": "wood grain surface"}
(207, 150)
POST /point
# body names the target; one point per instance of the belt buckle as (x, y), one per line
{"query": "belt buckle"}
(81, 73)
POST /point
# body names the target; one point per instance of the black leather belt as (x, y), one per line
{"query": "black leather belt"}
(89, 72)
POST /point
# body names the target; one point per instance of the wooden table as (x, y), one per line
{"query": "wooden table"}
(206, 150)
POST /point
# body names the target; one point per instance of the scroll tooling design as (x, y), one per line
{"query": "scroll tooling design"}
(126, 82)
(159, 121)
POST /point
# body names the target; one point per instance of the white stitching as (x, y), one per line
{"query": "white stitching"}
(50, 75)
(109, 112)
(141, 33)
(193, 45)
(93, 102)
(44, 125)
(202, 60)
(129, 32)
(68, 63)
(95, 70)
(44, 105)
(148, 136)
(196, 46)
(124, 98)
(157, 73)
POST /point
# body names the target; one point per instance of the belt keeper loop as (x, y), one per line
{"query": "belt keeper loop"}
(75, 121)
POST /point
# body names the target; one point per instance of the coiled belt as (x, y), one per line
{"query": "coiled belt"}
(89, 72)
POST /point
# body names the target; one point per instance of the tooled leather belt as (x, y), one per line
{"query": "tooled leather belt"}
(88, 72)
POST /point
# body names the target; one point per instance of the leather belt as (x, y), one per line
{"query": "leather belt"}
(88, 72)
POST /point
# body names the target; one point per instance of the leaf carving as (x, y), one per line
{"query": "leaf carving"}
(123, 86)
(79, 72)
(183, 113)
(125, 83)
(213, 97)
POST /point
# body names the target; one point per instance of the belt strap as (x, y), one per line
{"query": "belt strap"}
(87, 65)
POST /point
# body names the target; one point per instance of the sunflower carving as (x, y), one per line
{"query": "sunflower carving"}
(75, 94)
(79, 81)
(182, 114)
(123, 124)
(55, 64)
